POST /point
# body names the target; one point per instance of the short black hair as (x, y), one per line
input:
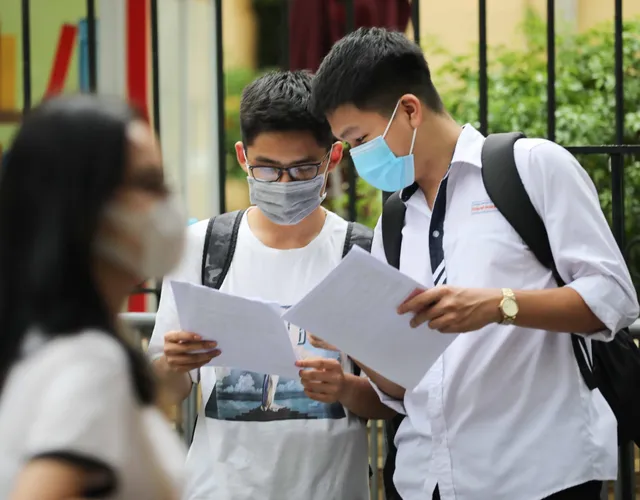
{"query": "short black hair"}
(372, 68)
(279, 102)
(67, 162)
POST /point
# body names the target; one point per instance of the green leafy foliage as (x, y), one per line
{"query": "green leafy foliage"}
(235, 81)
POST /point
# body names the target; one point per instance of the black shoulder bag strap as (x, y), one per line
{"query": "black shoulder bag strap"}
(357, 234)
(506, 190)
(219, 247)
(393, 214)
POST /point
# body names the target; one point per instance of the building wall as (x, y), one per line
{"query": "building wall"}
(592, 12)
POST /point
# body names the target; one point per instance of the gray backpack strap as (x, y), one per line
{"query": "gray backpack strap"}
(219, 247)
(357, 234)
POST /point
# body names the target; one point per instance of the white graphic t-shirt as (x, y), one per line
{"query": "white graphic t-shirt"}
(258, 436)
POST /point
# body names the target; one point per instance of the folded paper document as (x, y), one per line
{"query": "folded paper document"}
(354, 308)
(251, 334)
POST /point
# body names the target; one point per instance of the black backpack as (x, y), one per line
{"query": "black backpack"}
(613, 367)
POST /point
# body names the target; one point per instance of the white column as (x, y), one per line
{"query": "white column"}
(111, 36)
(183, 75)
(188, 102)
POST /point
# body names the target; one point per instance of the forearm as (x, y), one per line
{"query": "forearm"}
(555, 309)
(389, 388)
(361, 399)
(48, 479)
(178, 385)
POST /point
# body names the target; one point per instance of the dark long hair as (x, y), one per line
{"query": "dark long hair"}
(65, 164)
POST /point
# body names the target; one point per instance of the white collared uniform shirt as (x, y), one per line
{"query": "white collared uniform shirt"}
(504, 413)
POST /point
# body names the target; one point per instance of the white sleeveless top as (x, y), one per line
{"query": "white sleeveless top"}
(72, 398)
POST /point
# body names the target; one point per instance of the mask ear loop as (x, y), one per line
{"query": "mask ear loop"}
(393, 115)
(325, 176)
(413, 140)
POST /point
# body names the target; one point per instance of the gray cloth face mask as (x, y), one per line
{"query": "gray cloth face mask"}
(287, 203)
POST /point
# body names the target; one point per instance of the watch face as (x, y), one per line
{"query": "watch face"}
(510, 308)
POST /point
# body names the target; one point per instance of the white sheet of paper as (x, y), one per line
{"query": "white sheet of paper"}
(354, 308)
(251, 334)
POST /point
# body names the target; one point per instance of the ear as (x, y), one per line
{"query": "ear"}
(336, 155)
(242, 159)
(412, 108)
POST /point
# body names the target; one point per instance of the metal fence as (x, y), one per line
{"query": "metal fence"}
(616, 152)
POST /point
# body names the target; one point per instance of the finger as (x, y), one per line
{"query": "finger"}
(320, 344)
(319, 363)
(313, 340)
(444, 323)
(317, 376)
(422, 300)
(192, 359)
(320, 388)
(427, 315)
(323, 398)
(181, 337)
(187, 347)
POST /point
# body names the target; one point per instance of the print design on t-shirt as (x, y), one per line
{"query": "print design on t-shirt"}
(241, 395)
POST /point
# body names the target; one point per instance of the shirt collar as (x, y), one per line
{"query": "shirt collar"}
(468, 150)
(469, 147)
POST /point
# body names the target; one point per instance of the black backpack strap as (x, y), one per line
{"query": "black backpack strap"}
(219, 247)
(393, 213)
(506, 190)
(357, 234)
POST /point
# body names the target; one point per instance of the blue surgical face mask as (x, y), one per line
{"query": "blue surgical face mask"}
(376, 163)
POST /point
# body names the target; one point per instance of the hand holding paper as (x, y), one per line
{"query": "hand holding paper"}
(355, 309)
(323, 379)
(451, 309)
(250, 334)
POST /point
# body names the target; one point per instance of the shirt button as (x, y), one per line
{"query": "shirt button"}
(436, 233)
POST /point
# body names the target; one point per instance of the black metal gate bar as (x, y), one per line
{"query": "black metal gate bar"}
(483, 79)
(352, 178)
(619, 70)
(625, 488)
(415, 20)
(551, 70)
(285, 63)
(26, 56)
(220, 91)
(155, 64)
(92, 45)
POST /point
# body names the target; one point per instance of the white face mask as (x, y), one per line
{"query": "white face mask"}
(160, 233)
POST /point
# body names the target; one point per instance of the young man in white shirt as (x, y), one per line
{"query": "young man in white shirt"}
(259, 436)
(504, 414)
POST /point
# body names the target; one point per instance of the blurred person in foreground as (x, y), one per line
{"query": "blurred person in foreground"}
(84, 215)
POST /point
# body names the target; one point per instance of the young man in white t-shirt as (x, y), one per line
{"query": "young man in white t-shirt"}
(259, 436)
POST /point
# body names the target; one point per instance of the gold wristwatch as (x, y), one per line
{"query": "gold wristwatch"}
(508, 306)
